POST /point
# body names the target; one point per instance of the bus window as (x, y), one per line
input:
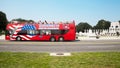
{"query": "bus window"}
(31, 32)
(37, 32)
(48, 32)
(42, 32)
(64, 31)
(45, 32)
(22, 32)
(55, 32)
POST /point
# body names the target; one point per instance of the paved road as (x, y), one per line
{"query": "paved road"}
(68, 46)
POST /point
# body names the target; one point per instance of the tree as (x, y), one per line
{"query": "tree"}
(102, 24)
(3, 21)
(82, 26)
(30, 21)
(23, 20)
(20, 20)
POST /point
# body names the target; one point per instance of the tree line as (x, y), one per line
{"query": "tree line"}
(22, 20)
(102, 24)
(3, 21)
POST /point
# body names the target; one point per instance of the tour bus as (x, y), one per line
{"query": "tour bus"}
(40, 31)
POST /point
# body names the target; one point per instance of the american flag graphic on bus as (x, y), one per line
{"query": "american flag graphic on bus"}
(23, 27)
(28, 27)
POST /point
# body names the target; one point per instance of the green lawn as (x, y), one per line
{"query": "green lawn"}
(43, 60)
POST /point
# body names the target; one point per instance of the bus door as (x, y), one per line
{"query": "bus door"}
(11, 32)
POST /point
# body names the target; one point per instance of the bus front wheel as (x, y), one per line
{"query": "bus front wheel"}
(18, 38)
(52, 39)
(61, 39)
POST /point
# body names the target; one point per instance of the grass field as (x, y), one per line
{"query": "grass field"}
(43, 60)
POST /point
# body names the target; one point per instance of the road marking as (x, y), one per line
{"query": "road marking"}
(60, 54)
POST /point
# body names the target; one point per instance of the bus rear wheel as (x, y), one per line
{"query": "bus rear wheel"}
(52, 39)
(61, 39)
(18, 38)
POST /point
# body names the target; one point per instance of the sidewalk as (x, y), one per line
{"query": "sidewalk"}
(101, 38)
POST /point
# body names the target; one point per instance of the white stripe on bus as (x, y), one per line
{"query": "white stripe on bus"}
(24, 37)
(29, 36)
(11, 27)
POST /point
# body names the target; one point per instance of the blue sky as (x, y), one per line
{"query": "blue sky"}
(62, 10)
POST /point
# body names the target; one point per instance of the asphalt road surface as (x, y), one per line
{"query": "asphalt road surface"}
(67, 46)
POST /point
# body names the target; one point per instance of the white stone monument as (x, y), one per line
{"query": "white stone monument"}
(91, 34)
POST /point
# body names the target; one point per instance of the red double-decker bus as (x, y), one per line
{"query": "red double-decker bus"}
(38, 31)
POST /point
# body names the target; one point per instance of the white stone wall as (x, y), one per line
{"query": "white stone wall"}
(112, 31)
(2, 37)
